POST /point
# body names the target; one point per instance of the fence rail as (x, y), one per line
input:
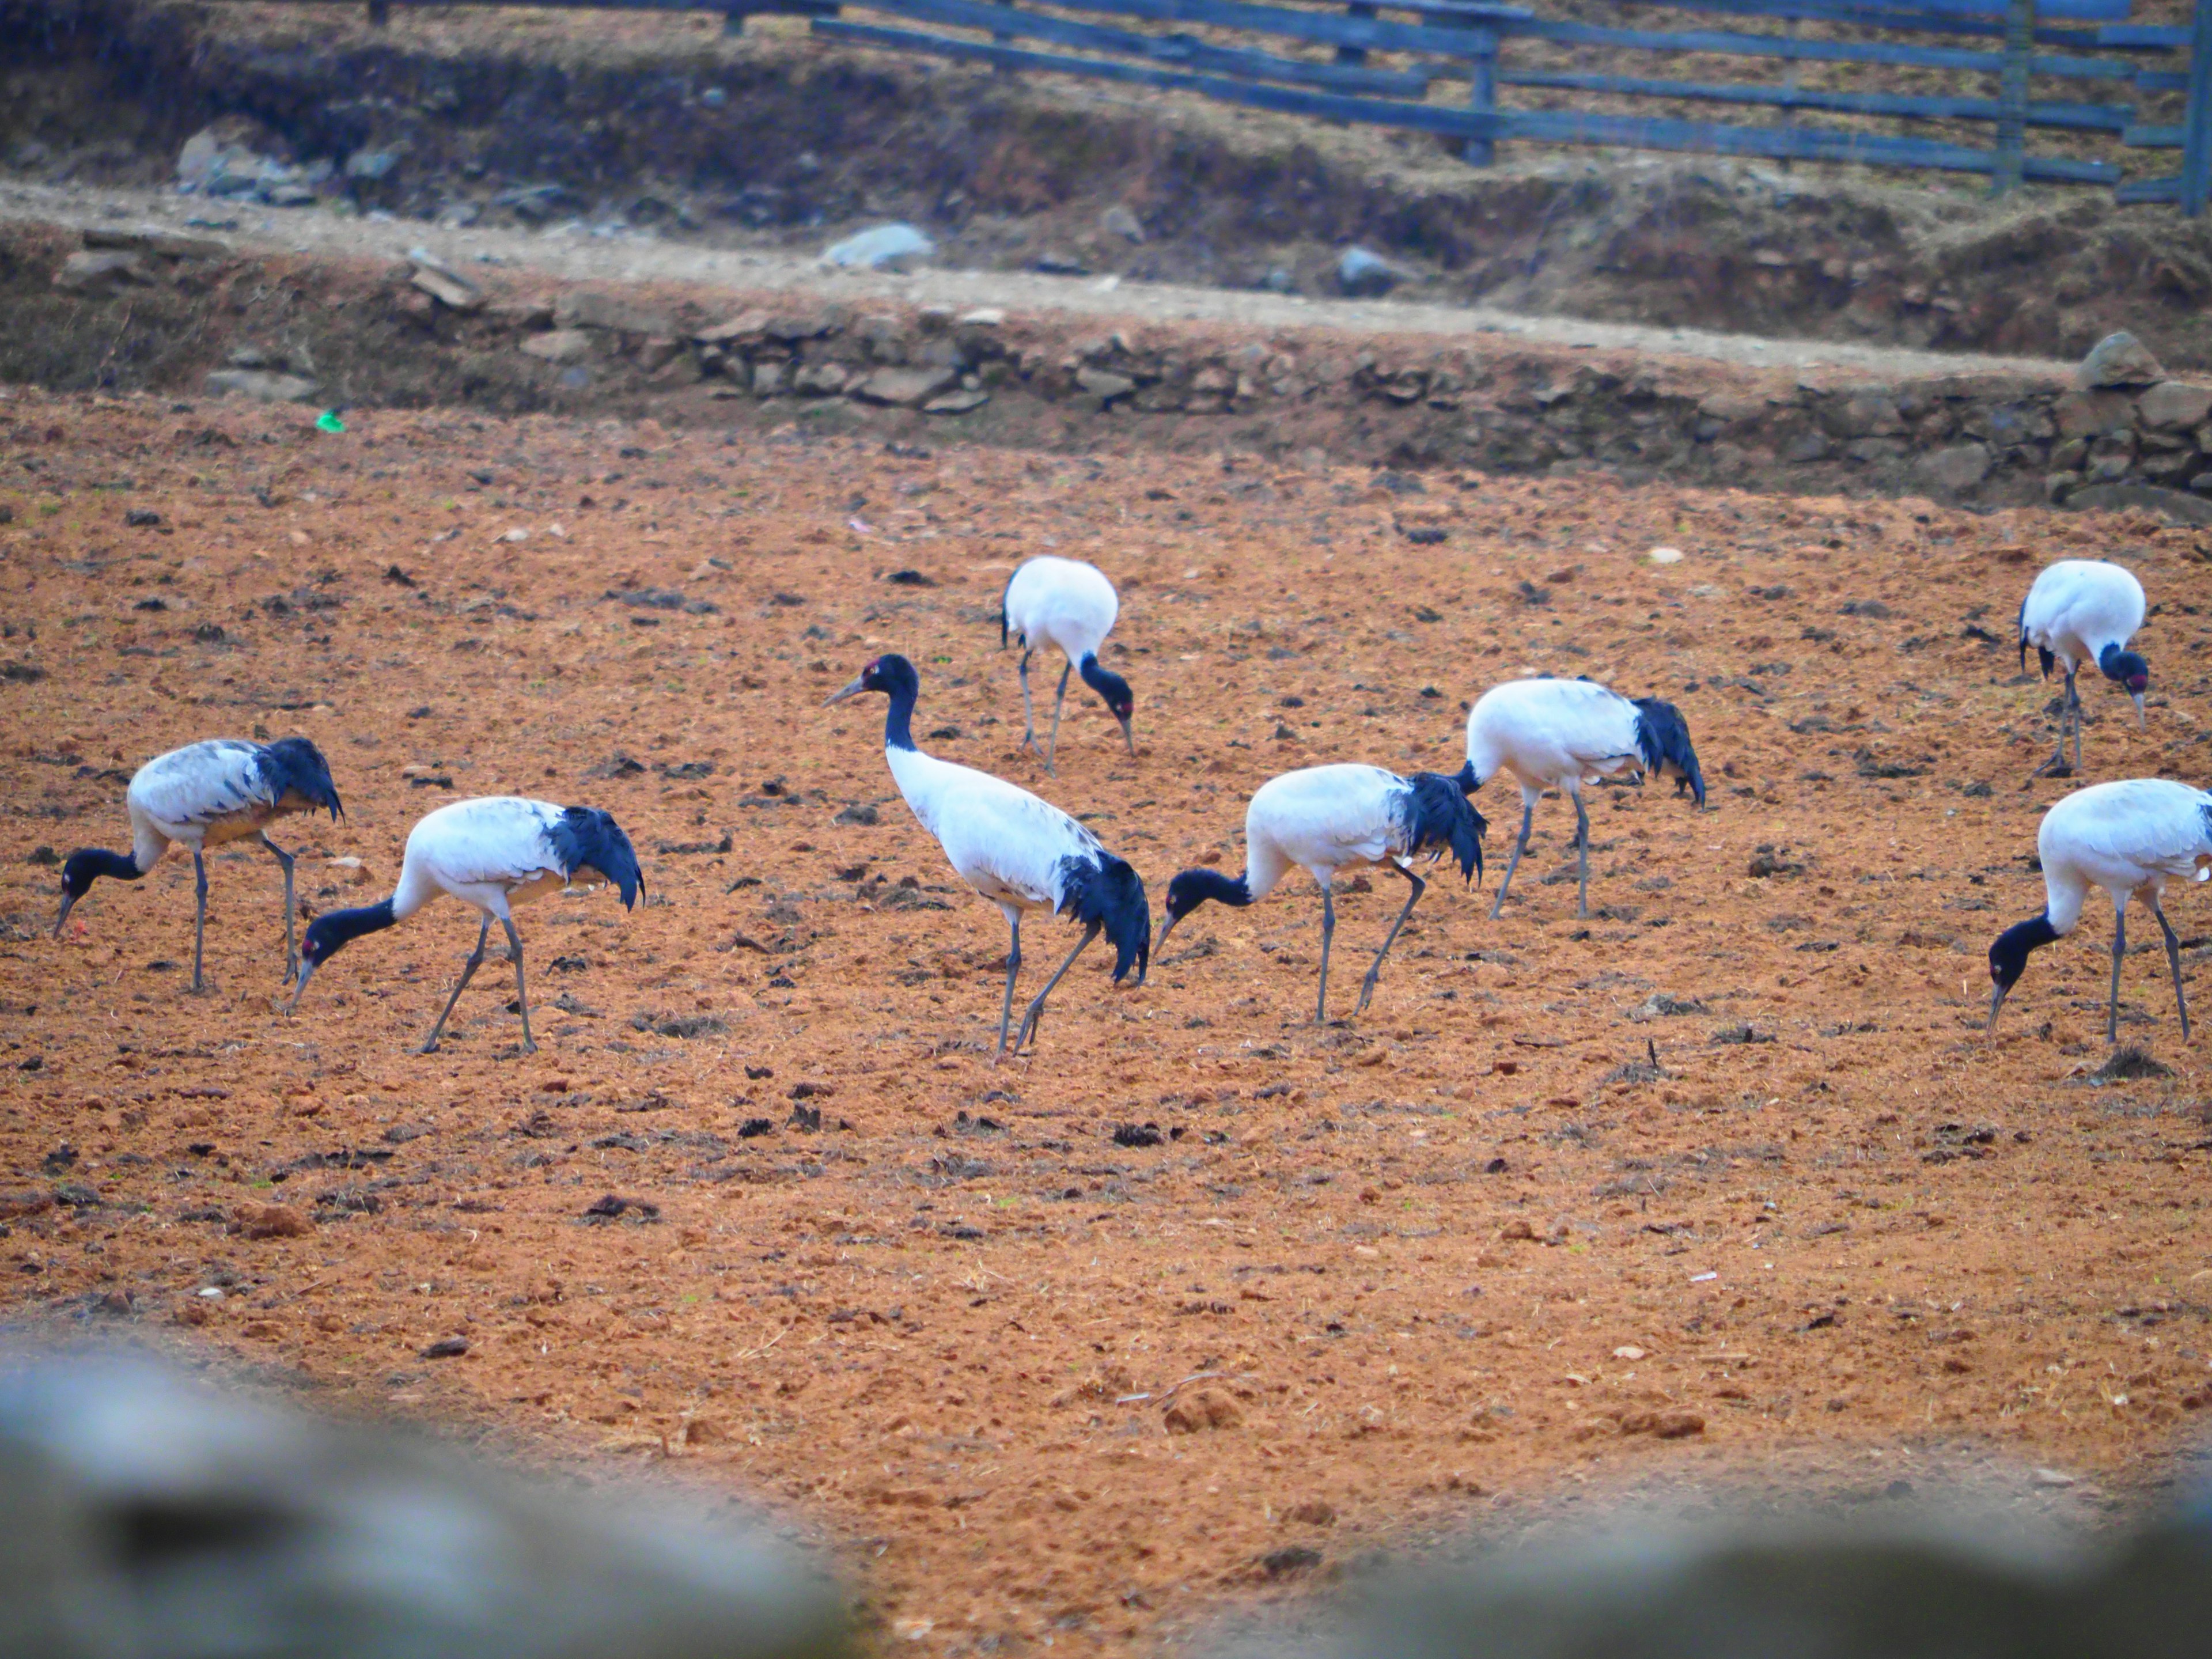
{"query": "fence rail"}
(1265, 56)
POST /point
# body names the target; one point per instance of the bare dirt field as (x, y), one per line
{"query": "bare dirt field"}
(1199, 1297)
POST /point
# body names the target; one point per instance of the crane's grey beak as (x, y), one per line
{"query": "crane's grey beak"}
(69, 904)
(1997, 1001)
(2136, 697)
(1127, 736)
(1166, 927)
(852, 690)
(306, 970)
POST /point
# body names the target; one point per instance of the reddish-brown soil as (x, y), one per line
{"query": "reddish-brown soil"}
(1374, 1279)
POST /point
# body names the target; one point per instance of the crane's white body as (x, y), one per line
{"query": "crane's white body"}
(1066, 606)
(1556, 734)
(1322, 819)
(202, 795)
(1551, 734)
(1020, 853)
(2076, 610)
(1061, 604)
(491, 852)
(2128, 838)
(1004, 842)
(2077, 607)
(1327, 818)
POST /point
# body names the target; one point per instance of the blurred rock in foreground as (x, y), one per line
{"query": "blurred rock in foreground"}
(146, 1514)
(1942, 1586)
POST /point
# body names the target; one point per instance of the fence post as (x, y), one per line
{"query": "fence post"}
(2197, 135)
(1355, 54)
(2012, 99)
(1482, 95)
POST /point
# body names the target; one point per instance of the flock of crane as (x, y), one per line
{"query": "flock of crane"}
(1023, 853)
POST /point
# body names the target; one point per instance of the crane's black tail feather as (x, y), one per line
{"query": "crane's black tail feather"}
(1663, 738)
(293, 766)
(1103, 888)
(584, 838)
(1437, 815)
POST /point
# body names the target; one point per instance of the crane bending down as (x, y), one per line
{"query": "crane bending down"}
(2129, 838)
(1066, 604)
(2077, 611)
(1017, 851)
(1327, 818)
(201, 796)
(490, 852)
(1562, 734)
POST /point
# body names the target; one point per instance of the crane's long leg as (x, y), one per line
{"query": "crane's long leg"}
(1582, 851)
(199, 913)
(2057, 764)
(2173, 961)
(1013, 967)
(2119, 949)
(1029, 714)
(1034, 1017)
(1375, 973)
(1052, 747)
(1528, 816)
(468, 972)
(1328, 932)
(2073, 698)
(291, 949)
(521, 995)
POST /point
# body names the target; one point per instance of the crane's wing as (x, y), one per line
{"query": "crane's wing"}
(201, 783)
(2153, 823)
(501, 840)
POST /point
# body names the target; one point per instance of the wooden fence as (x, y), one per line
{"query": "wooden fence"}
(2074, 67)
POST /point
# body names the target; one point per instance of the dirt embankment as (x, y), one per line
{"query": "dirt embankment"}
(773, 140)
(185, 315)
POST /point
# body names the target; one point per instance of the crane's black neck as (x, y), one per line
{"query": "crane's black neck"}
(334, 930)
(898, 720)
(88, 864)
(2008, 954)
(1094, 676)
(1194, 886)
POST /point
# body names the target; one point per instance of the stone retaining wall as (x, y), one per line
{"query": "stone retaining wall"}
(414, 333)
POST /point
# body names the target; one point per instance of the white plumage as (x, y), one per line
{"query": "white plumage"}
(1066, 606)
(1019, 852)
(492, 853)
(1562, 734)
(2129, 838)
(2078, 611)
(1325, 818)
(203, 795)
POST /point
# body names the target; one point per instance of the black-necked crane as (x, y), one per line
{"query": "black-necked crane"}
(2077, 611)
(1067, 605)
(1325, 818)
(1020, 853)
(2129, 838)
(1562, 734)
(491, 852)
(203, 795)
